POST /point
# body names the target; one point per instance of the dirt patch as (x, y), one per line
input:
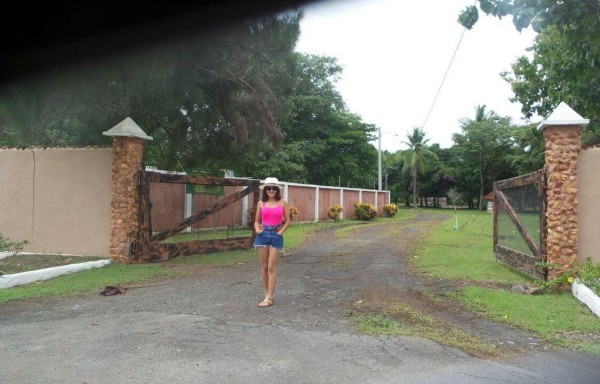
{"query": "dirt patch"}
(370, 273)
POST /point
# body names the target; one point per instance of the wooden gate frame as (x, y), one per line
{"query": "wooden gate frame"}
(527, 264)
(150, 248)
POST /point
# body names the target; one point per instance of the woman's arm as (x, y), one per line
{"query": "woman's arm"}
(286, 216)
(258, 228)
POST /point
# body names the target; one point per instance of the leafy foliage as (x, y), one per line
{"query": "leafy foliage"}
(557, 72)
(390, 210)
(365, 211)
(587, 273)
(418, 157)
(202, 98)
(11, 246)
(334, 212)
(483, 145)
(221, 101)
(566, 53)
(539, 14)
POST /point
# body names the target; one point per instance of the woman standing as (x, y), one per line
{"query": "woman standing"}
(272, 220)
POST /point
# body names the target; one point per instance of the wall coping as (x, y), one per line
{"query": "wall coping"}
(127, 128)
(563, 115)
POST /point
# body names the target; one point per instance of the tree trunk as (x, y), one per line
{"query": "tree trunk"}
(415, 190)
(481, 181)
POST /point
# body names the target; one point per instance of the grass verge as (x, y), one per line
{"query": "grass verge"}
(402, 320)
(465, 253)
(86, 281)
(557, 317)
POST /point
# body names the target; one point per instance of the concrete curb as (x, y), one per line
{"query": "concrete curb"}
(5, 254)
(8, 281)
(586, 296)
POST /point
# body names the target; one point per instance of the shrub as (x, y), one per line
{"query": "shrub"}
(293, 211)
(390, 210)
(588, 274)
(365, 211)
(334, 212)
(11, 246)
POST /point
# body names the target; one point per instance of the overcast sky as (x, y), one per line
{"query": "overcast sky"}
(395, 54)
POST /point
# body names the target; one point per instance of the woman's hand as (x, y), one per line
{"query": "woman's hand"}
(259, 229)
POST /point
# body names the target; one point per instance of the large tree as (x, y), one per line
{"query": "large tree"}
(440, 176)
(528, 150)
(566, 53)
(203, 99)
(483, 147)
(539, 14)
(559, 72)
(336, 141)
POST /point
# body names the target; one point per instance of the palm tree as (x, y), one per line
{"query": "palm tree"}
(417, 157)
(481, 115)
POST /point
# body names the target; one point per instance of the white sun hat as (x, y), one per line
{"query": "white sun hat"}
(271, 181)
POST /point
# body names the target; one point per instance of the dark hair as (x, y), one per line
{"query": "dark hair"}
(265, 197)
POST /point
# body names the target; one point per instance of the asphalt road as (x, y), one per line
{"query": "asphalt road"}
(207, 328)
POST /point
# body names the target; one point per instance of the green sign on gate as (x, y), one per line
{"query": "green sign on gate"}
(200, 189)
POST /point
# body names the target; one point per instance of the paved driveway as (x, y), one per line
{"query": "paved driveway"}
(206, 327)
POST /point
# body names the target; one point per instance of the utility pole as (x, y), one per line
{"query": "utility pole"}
(379, 161)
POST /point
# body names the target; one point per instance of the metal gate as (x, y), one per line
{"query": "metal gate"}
(152, 247)
(520, 223)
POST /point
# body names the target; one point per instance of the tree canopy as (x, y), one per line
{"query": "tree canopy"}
(483, 145)
(240, 98)
(565, 66)
(243, 99)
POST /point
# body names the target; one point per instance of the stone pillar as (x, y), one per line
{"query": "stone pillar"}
(127, 156)
(562, 136)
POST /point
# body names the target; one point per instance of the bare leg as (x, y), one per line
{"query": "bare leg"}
(272, 271)
(269, 259)
(263, 254)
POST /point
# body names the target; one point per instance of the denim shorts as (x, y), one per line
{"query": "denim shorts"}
(269, 238)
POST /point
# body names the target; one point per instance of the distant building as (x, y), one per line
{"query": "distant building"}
(489, 199)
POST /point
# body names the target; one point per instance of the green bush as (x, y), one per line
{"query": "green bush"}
(11, 246)
(588, 274)
(390, 210)
(365, 211)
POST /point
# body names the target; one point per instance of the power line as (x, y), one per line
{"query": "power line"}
(444, 78)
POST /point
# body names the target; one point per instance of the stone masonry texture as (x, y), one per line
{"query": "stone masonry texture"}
(127, 163)
(562, 146)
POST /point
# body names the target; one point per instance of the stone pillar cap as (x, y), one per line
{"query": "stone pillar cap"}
(127, 128)
(563, 115)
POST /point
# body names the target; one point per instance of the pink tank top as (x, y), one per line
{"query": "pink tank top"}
(272, 216)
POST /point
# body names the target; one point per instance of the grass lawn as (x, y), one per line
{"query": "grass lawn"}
(86, 281)
(466, 254)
